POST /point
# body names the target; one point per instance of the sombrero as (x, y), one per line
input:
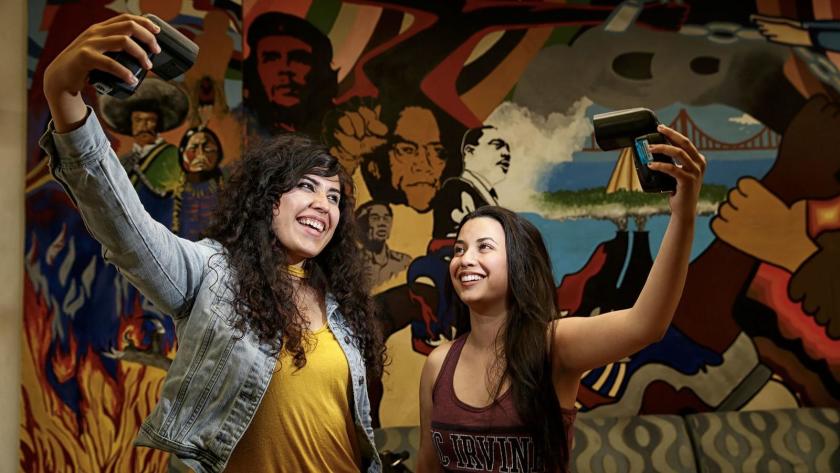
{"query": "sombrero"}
(153, 95)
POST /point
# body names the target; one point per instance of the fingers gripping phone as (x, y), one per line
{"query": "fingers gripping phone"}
(636, 128)
(652, 181)
(178, 53)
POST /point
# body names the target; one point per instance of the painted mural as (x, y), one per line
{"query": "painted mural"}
(95, 351)
(436, 108)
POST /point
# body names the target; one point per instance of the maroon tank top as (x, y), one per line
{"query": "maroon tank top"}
(489, 439)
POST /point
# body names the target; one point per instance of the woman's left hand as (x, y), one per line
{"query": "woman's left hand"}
(688, 171)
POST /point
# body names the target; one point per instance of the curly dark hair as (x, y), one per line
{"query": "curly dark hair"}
(532, 305)
(263, 289)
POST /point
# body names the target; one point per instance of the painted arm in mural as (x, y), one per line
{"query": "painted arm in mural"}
(757, 222)
(164, 267)
(820, 34)
(583, 343)
(801, 238)
(357, 132)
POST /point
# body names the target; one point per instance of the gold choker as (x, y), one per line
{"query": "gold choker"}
(297, 271)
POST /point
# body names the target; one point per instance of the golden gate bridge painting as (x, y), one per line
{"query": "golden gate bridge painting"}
(765, 139)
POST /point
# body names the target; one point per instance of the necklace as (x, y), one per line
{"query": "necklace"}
(297, 271)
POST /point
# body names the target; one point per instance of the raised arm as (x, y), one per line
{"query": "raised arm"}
(583, 343)
(65, 77)
(165, 268)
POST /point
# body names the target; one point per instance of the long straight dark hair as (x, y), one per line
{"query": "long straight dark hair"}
(531, 306)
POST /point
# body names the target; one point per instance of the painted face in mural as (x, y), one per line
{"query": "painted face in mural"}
(144, 127)
(490, 157)
(379, 223)
(305, 218)
(283, 64)
(201, 153)
(416, 157)
(479, 268)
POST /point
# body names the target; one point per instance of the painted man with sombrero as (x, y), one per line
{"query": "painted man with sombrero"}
(154, 168)
(152, 164)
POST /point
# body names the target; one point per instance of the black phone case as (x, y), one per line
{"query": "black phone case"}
(619, 129)
(654, 181)
(107, 83)
(178, 53)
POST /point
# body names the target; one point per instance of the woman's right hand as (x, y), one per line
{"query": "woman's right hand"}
(66, 75)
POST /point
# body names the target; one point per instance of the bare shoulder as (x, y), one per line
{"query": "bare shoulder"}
(558, 329)
(434, 362)
(559, 337)
(565, 375)
(436, 357)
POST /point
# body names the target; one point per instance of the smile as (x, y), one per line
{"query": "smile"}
(470, 277)
(312, 223)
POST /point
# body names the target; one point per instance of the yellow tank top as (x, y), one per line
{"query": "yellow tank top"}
(303, 423)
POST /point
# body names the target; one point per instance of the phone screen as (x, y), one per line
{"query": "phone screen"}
(643, 150)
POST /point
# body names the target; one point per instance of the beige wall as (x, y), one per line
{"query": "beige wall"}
(12, 152)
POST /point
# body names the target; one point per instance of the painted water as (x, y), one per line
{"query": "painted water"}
(571, 242)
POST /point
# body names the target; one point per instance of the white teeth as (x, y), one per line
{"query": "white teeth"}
(470, 277)
(310, 222)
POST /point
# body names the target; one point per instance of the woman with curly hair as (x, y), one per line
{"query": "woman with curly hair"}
(275, 326)
(501, 397)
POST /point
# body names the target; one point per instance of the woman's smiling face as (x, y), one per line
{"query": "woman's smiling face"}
(479, 267)
(305, 217)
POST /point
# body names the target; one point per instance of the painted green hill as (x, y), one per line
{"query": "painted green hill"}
(595, 203)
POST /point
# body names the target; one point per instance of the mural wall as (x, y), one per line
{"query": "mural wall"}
(437, 107)
(95, 352)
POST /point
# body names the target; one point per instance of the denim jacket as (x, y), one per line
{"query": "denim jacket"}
(218, 377)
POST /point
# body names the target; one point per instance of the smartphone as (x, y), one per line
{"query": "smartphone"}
(178, 53)
(618, 129)
(652, 181)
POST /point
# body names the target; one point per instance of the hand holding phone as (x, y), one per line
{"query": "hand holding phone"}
(652, 181)
(178, 53)
(636, 128)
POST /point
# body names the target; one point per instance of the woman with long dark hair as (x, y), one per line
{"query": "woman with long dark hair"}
(275, 325)
(501, 397)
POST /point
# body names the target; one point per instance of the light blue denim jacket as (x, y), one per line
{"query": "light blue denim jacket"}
(218, 377)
